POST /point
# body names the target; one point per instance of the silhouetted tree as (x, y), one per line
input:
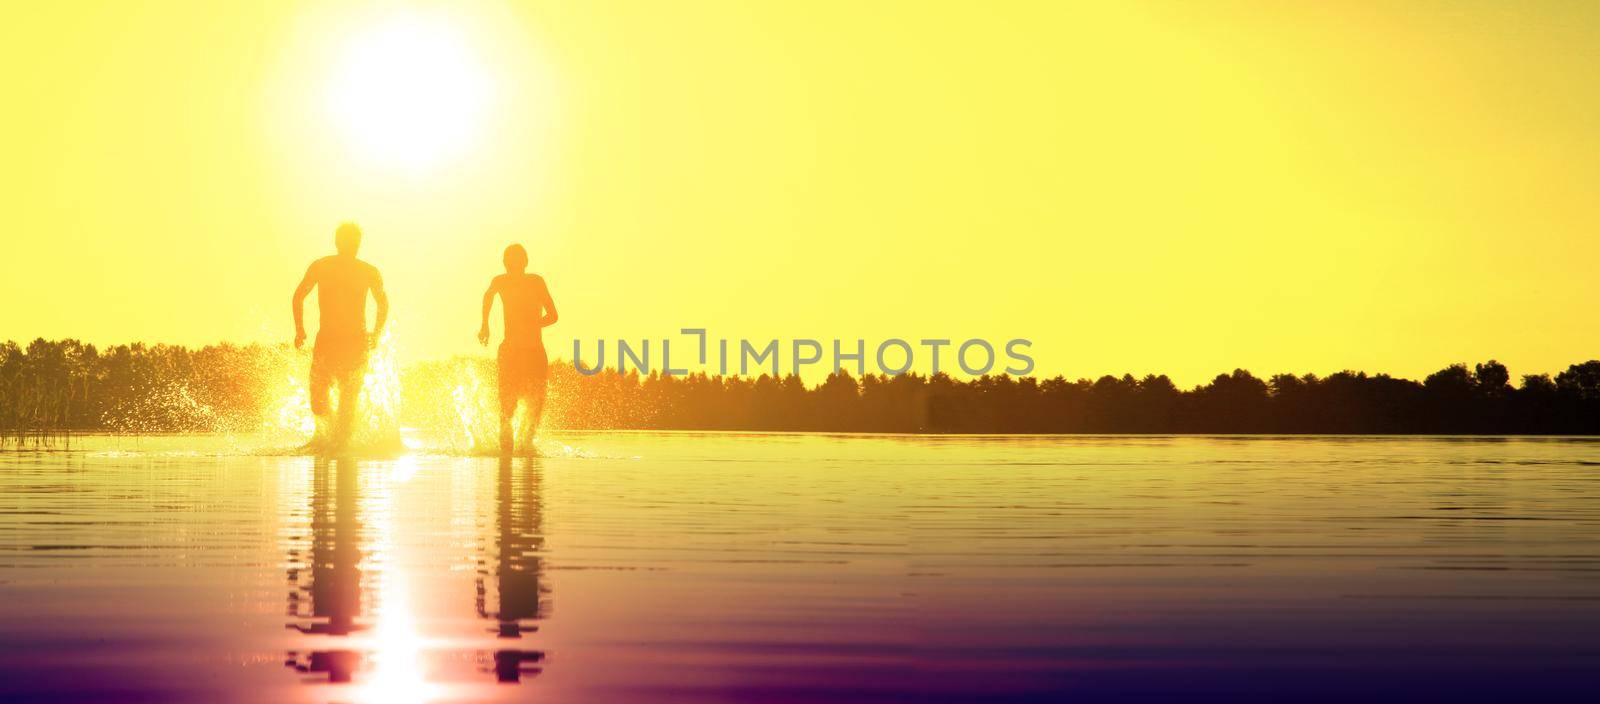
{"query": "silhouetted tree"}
(68, 385)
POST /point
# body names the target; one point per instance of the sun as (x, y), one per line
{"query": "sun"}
(409, 92)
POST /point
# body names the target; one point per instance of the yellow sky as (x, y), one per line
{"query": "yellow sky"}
(1146, 187)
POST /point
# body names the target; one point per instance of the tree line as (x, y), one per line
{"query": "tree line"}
(67, 385)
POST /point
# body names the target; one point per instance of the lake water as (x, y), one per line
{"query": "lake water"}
(635, 567)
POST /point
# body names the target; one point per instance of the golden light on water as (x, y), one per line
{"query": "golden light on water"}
(398, 673)
(1178, 188)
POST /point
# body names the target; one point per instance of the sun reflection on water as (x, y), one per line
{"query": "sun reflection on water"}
(398, 671)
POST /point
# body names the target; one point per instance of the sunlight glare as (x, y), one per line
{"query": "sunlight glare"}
(399, 673)
(410, 92)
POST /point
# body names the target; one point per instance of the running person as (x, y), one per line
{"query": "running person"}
(340, 353)
(523, 365)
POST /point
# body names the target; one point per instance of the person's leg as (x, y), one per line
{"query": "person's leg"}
(349, 399)
(529, 424)
(533, 392)
(318, 391)
(508, 377)
(508, 411)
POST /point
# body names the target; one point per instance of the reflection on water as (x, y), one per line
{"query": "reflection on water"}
(695, 567)
(332, 587)
(328, 600)
(517, 569)
(326, 567)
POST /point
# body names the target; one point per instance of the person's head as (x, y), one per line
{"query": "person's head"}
(516, 259)
(347, 239)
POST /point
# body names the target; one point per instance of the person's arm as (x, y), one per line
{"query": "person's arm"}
(488, 305)
(550, 315)
(382, 299)
(300, 293)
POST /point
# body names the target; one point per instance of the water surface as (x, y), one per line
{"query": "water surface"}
(796, 568)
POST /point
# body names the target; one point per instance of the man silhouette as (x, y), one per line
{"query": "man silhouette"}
(340, 354)
(523, 365)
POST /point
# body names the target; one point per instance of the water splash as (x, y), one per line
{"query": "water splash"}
(457, 403)
(163, 405)
(288, 420)
(257, 398)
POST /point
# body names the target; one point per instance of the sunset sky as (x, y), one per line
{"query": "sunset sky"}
(1178, 187)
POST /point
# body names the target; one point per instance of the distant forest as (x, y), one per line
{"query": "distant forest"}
(67, 385)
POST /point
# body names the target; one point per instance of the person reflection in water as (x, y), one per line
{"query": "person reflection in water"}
(327, 578)
(523, 364)
(517, 570)
(340, 353)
